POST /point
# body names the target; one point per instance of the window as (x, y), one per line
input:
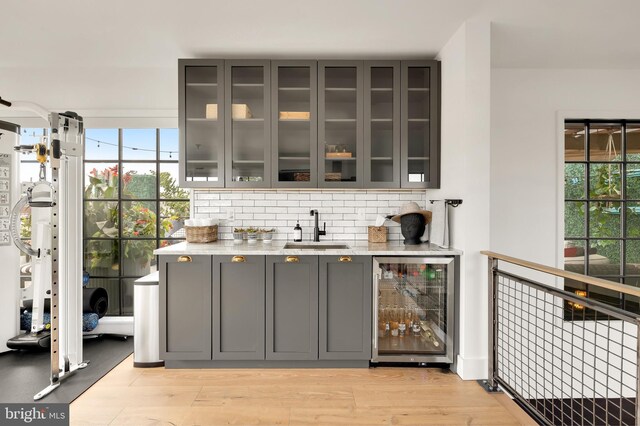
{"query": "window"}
(602, 205)
(132, 205)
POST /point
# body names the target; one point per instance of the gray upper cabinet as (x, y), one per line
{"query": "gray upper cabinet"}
(309, 124)
(420, 124)
(201, 122)
(294, 124)
(247, 124)
(292, 308)
(382, 124)
(185, 307)
(345, 289)
(238, 307)
(340, 124)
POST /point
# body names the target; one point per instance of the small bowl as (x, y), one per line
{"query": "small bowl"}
(267, 237)
(252, 238)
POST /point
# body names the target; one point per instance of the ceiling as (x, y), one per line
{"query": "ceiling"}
(153, 33)
(119, 57)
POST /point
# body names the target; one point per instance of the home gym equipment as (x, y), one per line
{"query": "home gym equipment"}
(39, 197)
(9, 256)
(57, 243)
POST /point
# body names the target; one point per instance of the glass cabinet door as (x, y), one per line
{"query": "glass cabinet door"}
(340, 118)
(419, 124)
(247, 126)
(413, 309)
(201, 123)
(382, 124)
(294, 92)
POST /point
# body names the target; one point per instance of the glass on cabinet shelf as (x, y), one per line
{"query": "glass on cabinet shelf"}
(248, 161)
(353, 158)
(340, 120)
(294, 158)
(293, 89)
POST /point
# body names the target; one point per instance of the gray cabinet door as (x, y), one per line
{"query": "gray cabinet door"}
(420, 133)
(238, 307)
(185, 307)
(247, 124)
(292, 307)
(340, 124)
(294, 136)
(201, 115)
(345, 307)
(382, 124)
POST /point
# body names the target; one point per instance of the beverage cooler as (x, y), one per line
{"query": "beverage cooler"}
(413, 309)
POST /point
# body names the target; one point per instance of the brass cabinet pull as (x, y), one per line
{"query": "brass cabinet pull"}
(184, 259)
(292, 259)
(345, 259)
(238, 259)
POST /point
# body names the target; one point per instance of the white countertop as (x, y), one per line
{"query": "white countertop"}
(228, 247)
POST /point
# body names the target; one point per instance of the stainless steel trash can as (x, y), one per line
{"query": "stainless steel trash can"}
(146, 322)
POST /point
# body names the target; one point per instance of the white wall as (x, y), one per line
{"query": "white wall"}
(465, 174)
(527, 110)
(92, 87)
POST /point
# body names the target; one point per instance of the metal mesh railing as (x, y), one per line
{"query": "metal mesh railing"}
(582, 371)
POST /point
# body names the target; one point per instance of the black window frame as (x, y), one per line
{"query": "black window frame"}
(620, 300)
(123, 308)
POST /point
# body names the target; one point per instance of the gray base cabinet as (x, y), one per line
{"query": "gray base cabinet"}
(185, 307)
(238, 307)
(345, 308)
(256, 311)
(292, 308)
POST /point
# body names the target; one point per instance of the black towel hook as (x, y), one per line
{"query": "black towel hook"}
(452, 203)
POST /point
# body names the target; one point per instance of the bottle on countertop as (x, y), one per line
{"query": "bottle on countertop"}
(297, 233)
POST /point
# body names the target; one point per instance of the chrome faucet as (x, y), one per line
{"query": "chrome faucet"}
(316, 229)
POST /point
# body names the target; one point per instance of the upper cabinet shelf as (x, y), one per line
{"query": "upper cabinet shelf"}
(309, 124)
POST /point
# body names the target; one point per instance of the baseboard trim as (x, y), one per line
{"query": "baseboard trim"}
(472, 368)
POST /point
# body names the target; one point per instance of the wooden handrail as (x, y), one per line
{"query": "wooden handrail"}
(598, 282)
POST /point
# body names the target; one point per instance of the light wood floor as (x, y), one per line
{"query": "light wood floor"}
(376, 396)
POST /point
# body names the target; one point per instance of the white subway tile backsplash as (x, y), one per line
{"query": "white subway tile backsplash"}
(232, 195)
(343, 196)
(298, 196)
(209, 196)
(346, 212)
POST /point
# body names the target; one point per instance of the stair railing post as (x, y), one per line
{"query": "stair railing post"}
(637, 371)
(493, 321)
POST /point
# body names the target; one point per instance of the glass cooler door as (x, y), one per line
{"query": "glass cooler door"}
(413, 310)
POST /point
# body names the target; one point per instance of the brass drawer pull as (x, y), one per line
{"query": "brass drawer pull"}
(292, 259)
(184, 259)
(238, 259)
(345, 259)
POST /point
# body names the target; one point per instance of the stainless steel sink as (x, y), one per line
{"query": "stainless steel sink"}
(305, 246)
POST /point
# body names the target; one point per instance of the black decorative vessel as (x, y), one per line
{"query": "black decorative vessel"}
(412, 226)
